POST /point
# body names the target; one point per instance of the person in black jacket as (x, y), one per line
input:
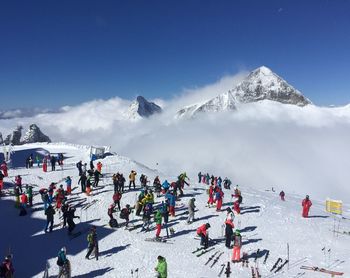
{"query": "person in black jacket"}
(53, 163)
(70, 219)
(80, 167)
(49, 212)
(97, 176)
(228, 232)
(82, 181)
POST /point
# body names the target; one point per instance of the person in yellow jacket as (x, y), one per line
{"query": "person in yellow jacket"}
(132, 177)
(161, 268)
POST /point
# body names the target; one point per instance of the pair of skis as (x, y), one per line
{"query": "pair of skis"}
(255, 272)
(160, 240)
(278, 265)
(215, 258)
(323, 270)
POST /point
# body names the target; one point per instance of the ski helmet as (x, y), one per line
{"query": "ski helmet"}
(237, 232)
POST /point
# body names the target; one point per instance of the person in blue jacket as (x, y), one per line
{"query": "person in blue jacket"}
(171, 199)
(165, 186)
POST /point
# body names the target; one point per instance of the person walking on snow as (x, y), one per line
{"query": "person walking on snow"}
(99, 166)
(132, 177)
(92, 243)
(116, 199)
(29, 193)
(53, 163)
(80, 167)
(4, 168)
(237, 244)
(228, 232)
(124, 214)
(161, 268)
(18, 182)
(202, 232)
(82, 181)
(49, 212)
(306, 203)
(218, 197)
(282, 195)
(68, 181)
(158, 219)
(63, 264)
(211, 196)
(191, 208)
(199, 177)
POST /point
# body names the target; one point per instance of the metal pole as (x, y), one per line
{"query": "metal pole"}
(288, 253)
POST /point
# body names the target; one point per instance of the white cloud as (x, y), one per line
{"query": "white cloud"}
(302, 150)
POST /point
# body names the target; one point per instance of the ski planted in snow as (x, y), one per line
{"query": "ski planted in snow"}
(228, 269)
(221, 270)
(266, 256)
(275, 265)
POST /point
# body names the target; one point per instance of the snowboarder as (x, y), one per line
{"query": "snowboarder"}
(202, 232)
(228, 232)
(306, 203)
(237, 244)
(92, 243)
(49, 212)
(63, 264)
(132, 177)
(191, 208)
(161, 268)
(282, 194)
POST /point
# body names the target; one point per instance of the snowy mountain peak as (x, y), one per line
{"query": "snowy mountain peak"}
(141, 108)
(34, 135)
(260, 84)
(264, 84)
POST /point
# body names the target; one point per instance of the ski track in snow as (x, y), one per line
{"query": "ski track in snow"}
(266, 223)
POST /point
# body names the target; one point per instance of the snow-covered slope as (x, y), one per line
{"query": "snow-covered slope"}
(260, 84)
(266, 223)
(141, 108)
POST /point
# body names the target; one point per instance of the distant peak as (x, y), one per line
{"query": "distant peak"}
(263, 70)
(141, 99)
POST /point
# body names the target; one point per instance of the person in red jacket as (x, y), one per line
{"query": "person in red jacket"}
(24, 201)
(236, 207)
(4, 168)
(306, 206)
(211, 196)
(218, 197)
(202, 232)
(116, 198)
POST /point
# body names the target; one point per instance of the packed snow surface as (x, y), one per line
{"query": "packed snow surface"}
(266, 223)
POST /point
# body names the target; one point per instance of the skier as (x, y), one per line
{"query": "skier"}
(199, 177)
(161, 268)
(64, 210)
(228, 232)
(191, 208)
(112, 221)
(24, 201)
(157, 186)
(63, 264)
(92, 243)
(211, 196)
(282, 195)
(230, 214)
(82, 180)
(92, 167)
(121, 183)
(97, 175)
(4, 168)
(116, 199)
(237, 244)
(6, 269)
(218, 197)
(202, 232)
(236, 207)
(70, 220)
(53, 163)
(37, 159)
(68, 181)
(165, 186)
(124, 214)
(44, 197)
(132, 177)
(146, 217)
(45, 165)
(17, 194)
(99, 166)
(29, 193)
(227, 183)
(18, 182)
(306, 206)
(49, 212)
(158, 220)
(171, 199)
(1, 182)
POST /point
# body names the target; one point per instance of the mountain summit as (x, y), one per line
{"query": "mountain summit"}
(141, 108)
(260, 84)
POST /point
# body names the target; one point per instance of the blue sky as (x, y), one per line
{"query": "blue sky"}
(54, 53)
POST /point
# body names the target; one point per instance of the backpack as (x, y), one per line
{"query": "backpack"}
(60, 261)
(123, 214)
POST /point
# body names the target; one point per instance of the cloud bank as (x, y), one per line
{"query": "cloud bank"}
(300, 150)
